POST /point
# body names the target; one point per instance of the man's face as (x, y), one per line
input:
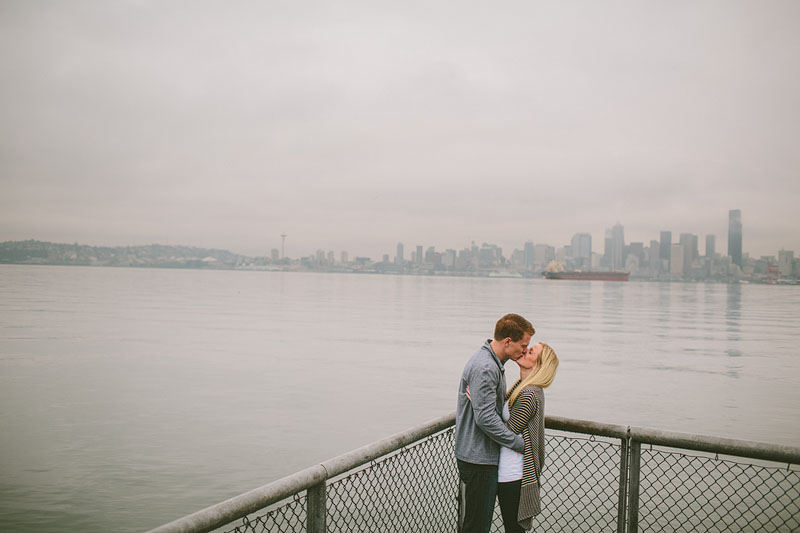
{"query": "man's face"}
(515, 350)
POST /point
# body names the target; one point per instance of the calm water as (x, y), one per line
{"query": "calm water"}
(131, 397)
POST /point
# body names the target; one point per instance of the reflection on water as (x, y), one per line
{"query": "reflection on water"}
(733, 316)
(130, 397)
(733, 308)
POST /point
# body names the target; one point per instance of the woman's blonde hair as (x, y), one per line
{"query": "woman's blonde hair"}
(541, 376)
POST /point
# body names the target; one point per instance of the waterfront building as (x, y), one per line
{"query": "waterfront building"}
(582, 250)
(653, 253)
(418, 257)
(543, 254)
(398, 258)
(665, 246)
(632, 264)
(275, 255)
(785, 262)
(528, 254)
(677, 263)
(344, 258)
(710, 245)
(617, 256)
(735, 236)
(636, 249)
(432, 257)
(689, 241)
(564, 254)
(449, 258)
(517, 259)
(690, 251)
(490, 255)
(466, 260)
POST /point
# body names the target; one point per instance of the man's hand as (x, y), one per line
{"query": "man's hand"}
(468, 396)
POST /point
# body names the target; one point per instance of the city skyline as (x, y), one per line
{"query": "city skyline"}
(355, 126)
(594, 244)
(585, 241)
(665, 259)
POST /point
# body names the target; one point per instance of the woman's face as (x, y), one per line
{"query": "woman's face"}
(531, 358)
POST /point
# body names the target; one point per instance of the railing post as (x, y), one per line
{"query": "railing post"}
(633, 494)
(316, 512)
(623, 482)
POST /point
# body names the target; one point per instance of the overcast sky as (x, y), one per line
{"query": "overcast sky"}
(355, 125)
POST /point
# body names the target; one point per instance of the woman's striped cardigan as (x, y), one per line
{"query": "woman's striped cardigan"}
(527, 417)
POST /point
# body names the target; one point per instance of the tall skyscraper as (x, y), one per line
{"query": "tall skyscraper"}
(449, 258)
(689, 242)
(711, 243)
(398, 258)
(637, 249)
(677, 263)
(665, 244)
(690, 252)
(785, 262)
(528, 257)
(735, 236)
(543, 254)
(654, 257)
(430, 255)
(582, 249)
(617, 247)
(418, 257)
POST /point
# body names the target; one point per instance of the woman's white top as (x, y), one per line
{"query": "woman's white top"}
(510, 466)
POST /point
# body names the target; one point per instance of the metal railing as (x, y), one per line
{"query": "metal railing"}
(598, 477)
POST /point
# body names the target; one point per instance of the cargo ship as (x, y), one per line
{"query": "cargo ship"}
(616, 275)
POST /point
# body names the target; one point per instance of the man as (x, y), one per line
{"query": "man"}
(480, 431)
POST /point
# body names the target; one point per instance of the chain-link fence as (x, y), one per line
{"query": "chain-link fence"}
(580, 485)
(682, 493)
(414, 487)
(289, 516)
(415, 490)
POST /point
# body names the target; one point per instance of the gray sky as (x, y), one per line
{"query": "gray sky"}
(355, 125)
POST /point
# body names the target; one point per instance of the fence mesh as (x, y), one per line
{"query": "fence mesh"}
(288, 516)
(415, 490)
(680, 492)
(580, 485)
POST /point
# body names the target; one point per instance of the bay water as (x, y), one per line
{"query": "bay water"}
(131, 397)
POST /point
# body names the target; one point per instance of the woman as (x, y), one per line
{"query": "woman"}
(519, 474)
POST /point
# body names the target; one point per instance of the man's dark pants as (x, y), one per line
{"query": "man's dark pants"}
(478, 490)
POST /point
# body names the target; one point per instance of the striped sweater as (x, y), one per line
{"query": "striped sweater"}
(527, 417)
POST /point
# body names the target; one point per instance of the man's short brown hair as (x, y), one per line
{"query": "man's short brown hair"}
(512, 326)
